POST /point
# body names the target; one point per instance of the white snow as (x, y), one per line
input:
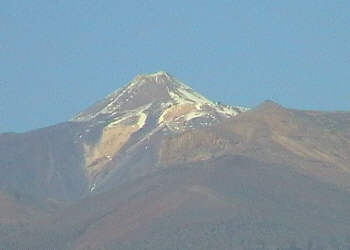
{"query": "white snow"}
(142, 120)
(140, 112)
(193, 115)
(179, 94)
(93, 187)
(118, 120)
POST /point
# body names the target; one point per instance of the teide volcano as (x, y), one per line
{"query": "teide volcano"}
(132, 124)
(156, 165)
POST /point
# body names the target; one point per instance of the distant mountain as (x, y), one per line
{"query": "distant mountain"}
(133, 122)
(155, 165)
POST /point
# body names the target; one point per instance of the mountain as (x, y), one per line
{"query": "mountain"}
(155, 165)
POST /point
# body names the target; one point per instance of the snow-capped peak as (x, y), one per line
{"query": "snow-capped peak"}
(158, 77)
(158, 89)
(150, 105)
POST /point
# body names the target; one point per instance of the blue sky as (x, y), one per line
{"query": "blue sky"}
(58, 57)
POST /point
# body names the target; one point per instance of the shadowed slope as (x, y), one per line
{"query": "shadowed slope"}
(217, 203)
(155, 165)
(42, 163)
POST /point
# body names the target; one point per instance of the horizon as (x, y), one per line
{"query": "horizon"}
(63, 57)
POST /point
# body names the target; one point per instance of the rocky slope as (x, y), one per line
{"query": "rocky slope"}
(132, 122)
(155, 165)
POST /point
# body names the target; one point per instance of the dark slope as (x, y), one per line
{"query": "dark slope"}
(219, 203)
(43, 163)
(177, 172)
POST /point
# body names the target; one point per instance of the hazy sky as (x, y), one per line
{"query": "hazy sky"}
(59, 56)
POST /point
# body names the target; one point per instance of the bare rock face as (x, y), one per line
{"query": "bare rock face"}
(122, 137)
(150, 108)
(173, 99)
(155, 165)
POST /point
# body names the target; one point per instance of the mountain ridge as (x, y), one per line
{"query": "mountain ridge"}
(169, 90)
(171, 169)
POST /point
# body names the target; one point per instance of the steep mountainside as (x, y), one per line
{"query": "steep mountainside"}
(131, 122)
(155, 165)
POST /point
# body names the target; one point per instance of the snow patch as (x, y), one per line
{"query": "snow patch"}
(93, 187)
(179, 94)
(193, 115)
(140, 112)
(142, 120)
